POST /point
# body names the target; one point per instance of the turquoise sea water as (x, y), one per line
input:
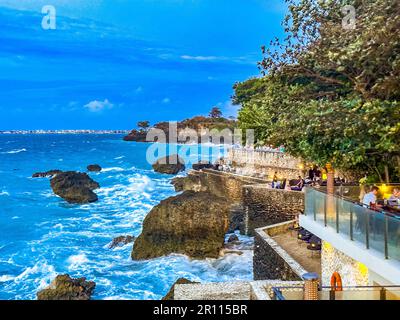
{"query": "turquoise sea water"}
(42, 236)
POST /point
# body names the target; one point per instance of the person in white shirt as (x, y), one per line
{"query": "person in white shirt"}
(371, 197)
(394, 199)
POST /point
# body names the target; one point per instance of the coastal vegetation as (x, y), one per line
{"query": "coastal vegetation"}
(330, 91)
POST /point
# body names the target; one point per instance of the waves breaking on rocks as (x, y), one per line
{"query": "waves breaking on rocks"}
(51, 237)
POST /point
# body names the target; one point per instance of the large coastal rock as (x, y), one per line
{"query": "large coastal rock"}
(192, 223)
(94, 168)
(171, 292)
(169, 165)
(74, 187)
(64, 287)
(46, 174)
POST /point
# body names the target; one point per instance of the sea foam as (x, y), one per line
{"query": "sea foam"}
(15, 151)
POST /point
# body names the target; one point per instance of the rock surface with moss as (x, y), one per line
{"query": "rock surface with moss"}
(74, 187)
(192, 223)
(169, 165)
(171, 293)
(64, 287)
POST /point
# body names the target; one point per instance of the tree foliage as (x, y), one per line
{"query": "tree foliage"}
(215, 113)
(144, 125)
(330, 94)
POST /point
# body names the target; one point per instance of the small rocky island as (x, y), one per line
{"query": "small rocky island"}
(74, 187)
(94, 168)
(215, 120)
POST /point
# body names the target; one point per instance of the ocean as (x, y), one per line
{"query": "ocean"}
(41, 235)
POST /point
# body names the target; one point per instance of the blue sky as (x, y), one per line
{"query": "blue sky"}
(111, 63)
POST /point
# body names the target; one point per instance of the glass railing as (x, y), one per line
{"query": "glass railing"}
(348, 293)
(376, 230)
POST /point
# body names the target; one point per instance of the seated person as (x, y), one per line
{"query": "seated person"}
(395, 197)
(275, 181)
(370, 199)
(299, 186)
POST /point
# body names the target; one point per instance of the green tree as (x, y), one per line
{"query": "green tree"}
(330, 94)
(143, 125)
(215, 113)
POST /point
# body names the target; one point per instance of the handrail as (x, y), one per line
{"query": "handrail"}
(344, 287)
(278, 292)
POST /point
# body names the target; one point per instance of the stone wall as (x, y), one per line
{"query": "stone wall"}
(265, 206)
(353, 273)
(253, 290)
(270, 261)
(264, 163)
(225, 185)
(263, 158)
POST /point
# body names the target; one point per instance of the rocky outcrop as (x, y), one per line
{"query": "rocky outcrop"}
(202, 165)
(198, 124)
(46, 174)
(169, 165)
(192, 223)
(94, 168)
(74, 187)
(121, 241)
(189, 183)
(136, 136)
(170, 294)
(64, 287)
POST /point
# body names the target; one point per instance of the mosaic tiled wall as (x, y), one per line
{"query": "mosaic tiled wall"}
(353, 273)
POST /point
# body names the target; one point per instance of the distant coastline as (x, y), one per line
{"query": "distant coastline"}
(64, 131)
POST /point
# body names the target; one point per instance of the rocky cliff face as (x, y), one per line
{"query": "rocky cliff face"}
(193, 223)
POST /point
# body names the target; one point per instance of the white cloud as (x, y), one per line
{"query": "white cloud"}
(202, 58)
(249, 59)
(98, 106)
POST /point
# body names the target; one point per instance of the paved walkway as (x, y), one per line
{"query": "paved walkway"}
(299, 252)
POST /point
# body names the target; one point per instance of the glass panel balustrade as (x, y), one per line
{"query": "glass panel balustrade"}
(375, 230)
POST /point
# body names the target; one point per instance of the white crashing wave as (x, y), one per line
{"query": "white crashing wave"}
(4, 193)
(113, 169)
(77, 261)
(6, 278)
(14, 151)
